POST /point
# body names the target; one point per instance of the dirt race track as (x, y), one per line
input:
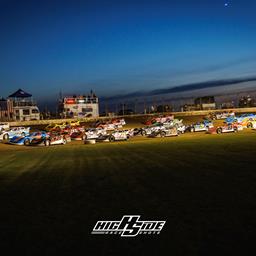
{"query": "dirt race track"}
(203, 185)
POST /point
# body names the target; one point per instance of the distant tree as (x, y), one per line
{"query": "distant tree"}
(246, 101)
(126, 112)
(163, 108)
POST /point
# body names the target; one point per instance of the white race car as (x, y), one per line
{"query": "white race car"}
(118, 135)
(94, 133)
(177, 124)
(56, 140)
(173, 122)
(16, 131)
(223, 115)
(129, 133)
(148, 130)
(166, 132)
(111, 125)
(164, 119)
(200, 127)
(119, 123)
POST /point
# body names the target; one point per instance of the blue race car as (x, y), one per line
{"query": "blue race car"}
(200, 127)
(240, 119)
(16, 131)
(34, 138)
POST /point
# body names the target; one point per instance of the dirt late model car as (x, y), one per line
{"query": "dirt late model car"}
(159, 119)
(200, 127)
(178, 124)
(240, 119)
(131, 132)
(16, 131)
(88, 134)
(166, 132)
(220, 115)
(148, 130)
(32, 137)
(39, 138)
(117, 135)
(107, 126)
(119, 122)
(157, 127)
(110, 125)
(225, 129)
(64, 126)
(94, 133)
(56, 139)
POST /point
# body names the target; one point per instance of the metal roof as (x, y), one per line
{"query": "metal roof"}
(20, 94)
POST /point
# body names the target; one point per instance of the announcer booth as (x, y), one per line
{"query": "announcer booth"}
(80, 106)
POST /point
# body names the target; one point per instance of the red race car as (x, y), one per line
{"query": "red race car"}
(159, 119)
(225, 129)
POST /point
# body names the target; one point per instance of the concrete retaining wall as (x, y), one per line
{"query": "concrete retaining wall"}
(180, 114)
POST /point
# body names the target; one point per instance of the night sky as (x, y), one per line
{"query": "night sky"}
(120, 47)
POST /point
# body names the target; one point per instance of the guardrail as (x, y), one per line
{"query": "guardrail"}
(86, 120)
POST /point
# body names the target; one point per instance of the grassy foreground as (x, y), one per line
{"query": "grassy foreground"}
(204, 186)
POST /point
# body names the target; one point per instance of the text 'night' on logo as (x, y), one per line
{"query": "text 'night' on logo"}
(128, 226)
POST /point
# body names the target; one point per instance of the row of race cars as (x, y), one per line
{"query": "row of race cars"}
(162, 126)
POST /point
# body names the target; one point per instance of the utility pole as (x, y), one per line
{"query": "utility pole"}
(56, 112)
(162, 101)
(135, 106)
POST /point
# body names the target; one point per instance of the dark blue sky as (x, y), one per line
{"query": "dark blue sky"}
(117, 47)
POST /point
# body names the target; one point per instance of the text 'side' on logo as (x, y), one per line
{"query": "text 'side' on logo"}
(129, 226)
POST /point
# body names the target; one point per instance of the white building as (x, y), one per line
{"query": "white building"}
(80, 106)
(24, 107)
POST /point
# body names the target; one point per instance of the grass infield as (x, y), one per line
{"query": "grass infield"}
(204, 186)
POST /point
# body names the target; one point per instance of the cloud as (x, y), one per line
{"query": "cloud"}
(184, 88)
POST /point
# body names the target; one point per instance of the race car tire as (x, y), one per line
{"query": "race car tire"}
(27, 142)
(6, 137)
(162, 133)
(111, 138)
(249, 125)
(47, 143)
(143, 133)
(219, 131)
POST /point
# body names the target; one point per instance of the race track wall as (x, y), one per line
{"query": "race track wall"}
(179, 114)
